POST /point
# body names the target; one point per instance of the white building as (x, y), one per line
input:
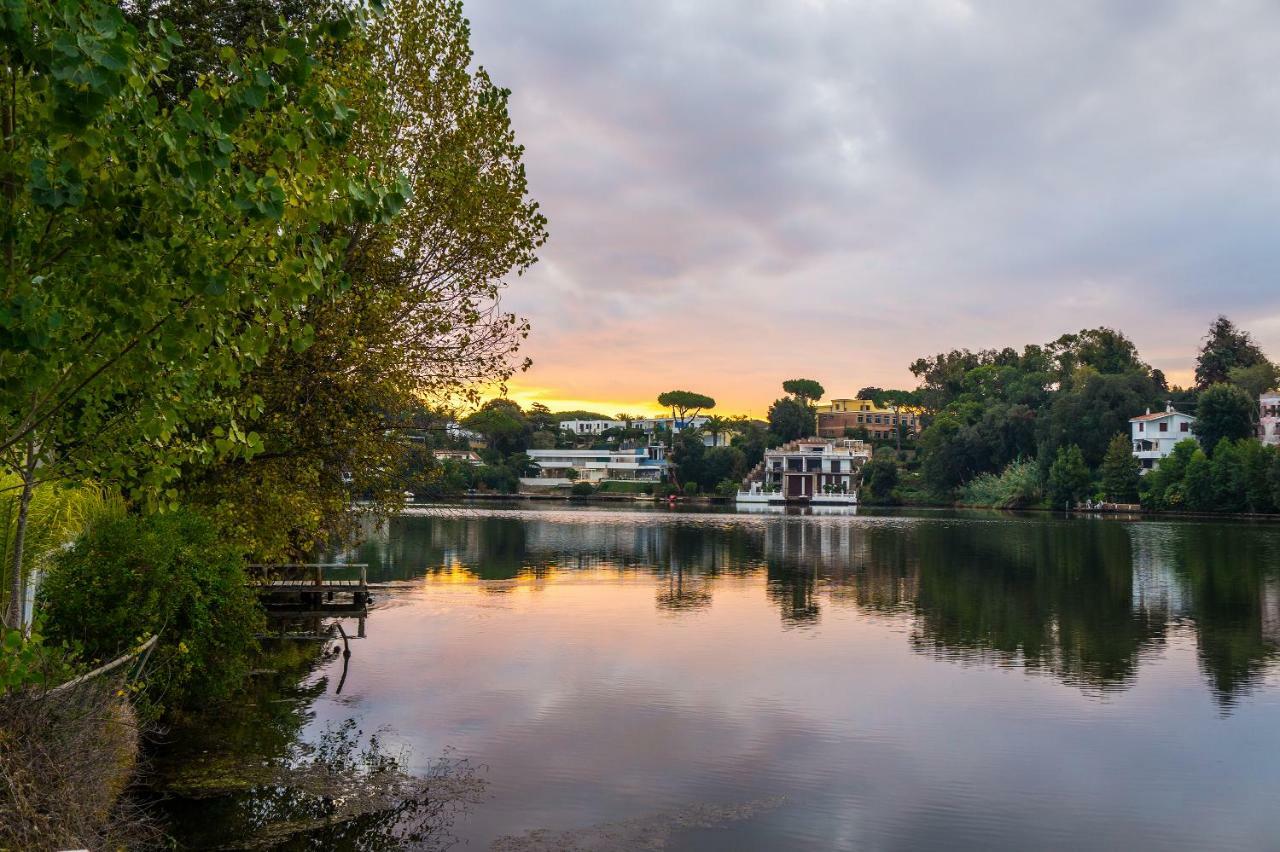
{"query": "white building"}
(468, 456)
(1155, 435)
(644, 464)
(1269, 418)
(817, 469)
(651, 426)
(588, 427)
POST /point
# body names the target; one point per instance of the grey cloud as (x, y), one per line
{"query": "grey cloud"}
(1083, 155)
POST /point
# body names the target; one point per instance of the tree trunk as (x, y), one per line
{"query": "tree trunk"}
(17, 582)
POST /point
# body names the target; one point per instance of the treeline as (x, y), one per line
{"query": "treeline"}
(1049, 424)
(242, 242)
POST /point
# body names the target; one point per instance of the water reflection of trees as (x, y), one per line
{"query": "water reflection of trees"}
(1052, 596)
(1085, 601)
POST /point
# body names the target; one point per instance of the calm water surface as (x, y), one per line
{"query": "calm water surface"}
(646, 679)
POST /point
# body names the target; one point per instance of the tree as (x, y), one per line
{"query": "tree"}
(871, 393)
(1121, 471)
(720, 464)
(752, 438)
(790, 419)
(684, 405)
(1224, 411)
(157, 253)
(1068, 477)
(1257, 379)
(717, 426)
(1225, 348)
(806, 391)
(412, 307)
(881, 477)
(1197, 483)
(687, 457)
(503, 424)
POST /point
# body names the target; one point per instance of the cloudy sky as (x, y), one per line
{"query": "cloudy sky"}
(742, 192)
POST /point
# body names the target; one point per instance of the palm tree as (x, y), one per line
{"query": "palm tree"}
(717, 426)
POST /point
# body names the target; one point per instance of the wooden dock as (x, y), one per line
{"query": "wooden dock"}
(305, 589)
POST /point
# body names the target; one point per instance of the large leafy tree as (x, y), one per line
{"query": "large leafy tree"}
(790, 419)
(806, 391)
(417, 315)
(1224, 411)
(685, 405)
(1120, 470)
(153, 255)
(1225, 348)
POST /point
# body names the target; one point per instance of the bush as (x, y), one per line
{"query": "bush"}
(1017, 486)
(690, 489)
(582, 489)
(170, 574)
(881, 476)
(615, 486)
(728, 488)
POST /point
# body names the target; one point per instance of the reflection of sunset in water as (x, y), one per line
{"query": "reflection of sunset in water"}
(941, 680)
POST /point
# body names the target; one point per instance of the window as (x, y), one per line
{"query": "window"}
(1164, 425)
(1142, 427)
(1182, 427)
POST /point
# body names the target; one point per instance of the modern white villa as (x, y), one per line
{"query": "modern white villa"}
(649, 425)
(1269, 418)
(643, 464)
(1155, 435)
(818, 471)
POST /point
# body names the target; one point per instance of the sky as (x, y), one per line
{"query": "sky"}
(744, 192)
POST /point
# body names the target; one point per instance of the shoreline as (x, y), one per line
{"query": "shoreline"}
(705, 500)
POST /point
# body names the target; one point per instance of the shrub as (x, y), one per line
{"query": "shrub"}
(1017, 486)
(690, 489)
(1068, 477)
(582, 489)
(727, 488)
(881, 476)
(170, 574)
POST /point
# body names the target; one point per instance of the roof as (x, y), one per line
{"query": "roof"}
(1160, 415)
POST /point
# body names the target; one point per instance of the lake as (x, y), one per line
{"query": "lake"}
(644, 678)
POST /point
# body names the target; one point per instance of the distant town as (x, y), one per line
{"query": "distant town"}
(1079, 422)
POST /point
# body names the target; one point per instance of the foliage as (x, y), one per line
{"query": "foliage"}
(1240, 476)
(806, 391)
(57, 513)
(728, 488)
(27, 660)
(1224, 411)
(1015, 487)
(1069, 480)
(1225, 348)
(571, 474)
(993, 407)
(503, 424)
(621, 486)
(582, 489)
(690, 489)
(171, 574)
(1162, 487)
(542, 440)
(1256, 379)
(410, 310)
(880, 476)
(1120, 471)
(752, 438)
(158, 253)
(790, 419)
(685, 405)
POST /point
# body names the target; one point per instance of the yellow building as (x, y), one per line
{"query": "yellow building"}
(854, 414)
